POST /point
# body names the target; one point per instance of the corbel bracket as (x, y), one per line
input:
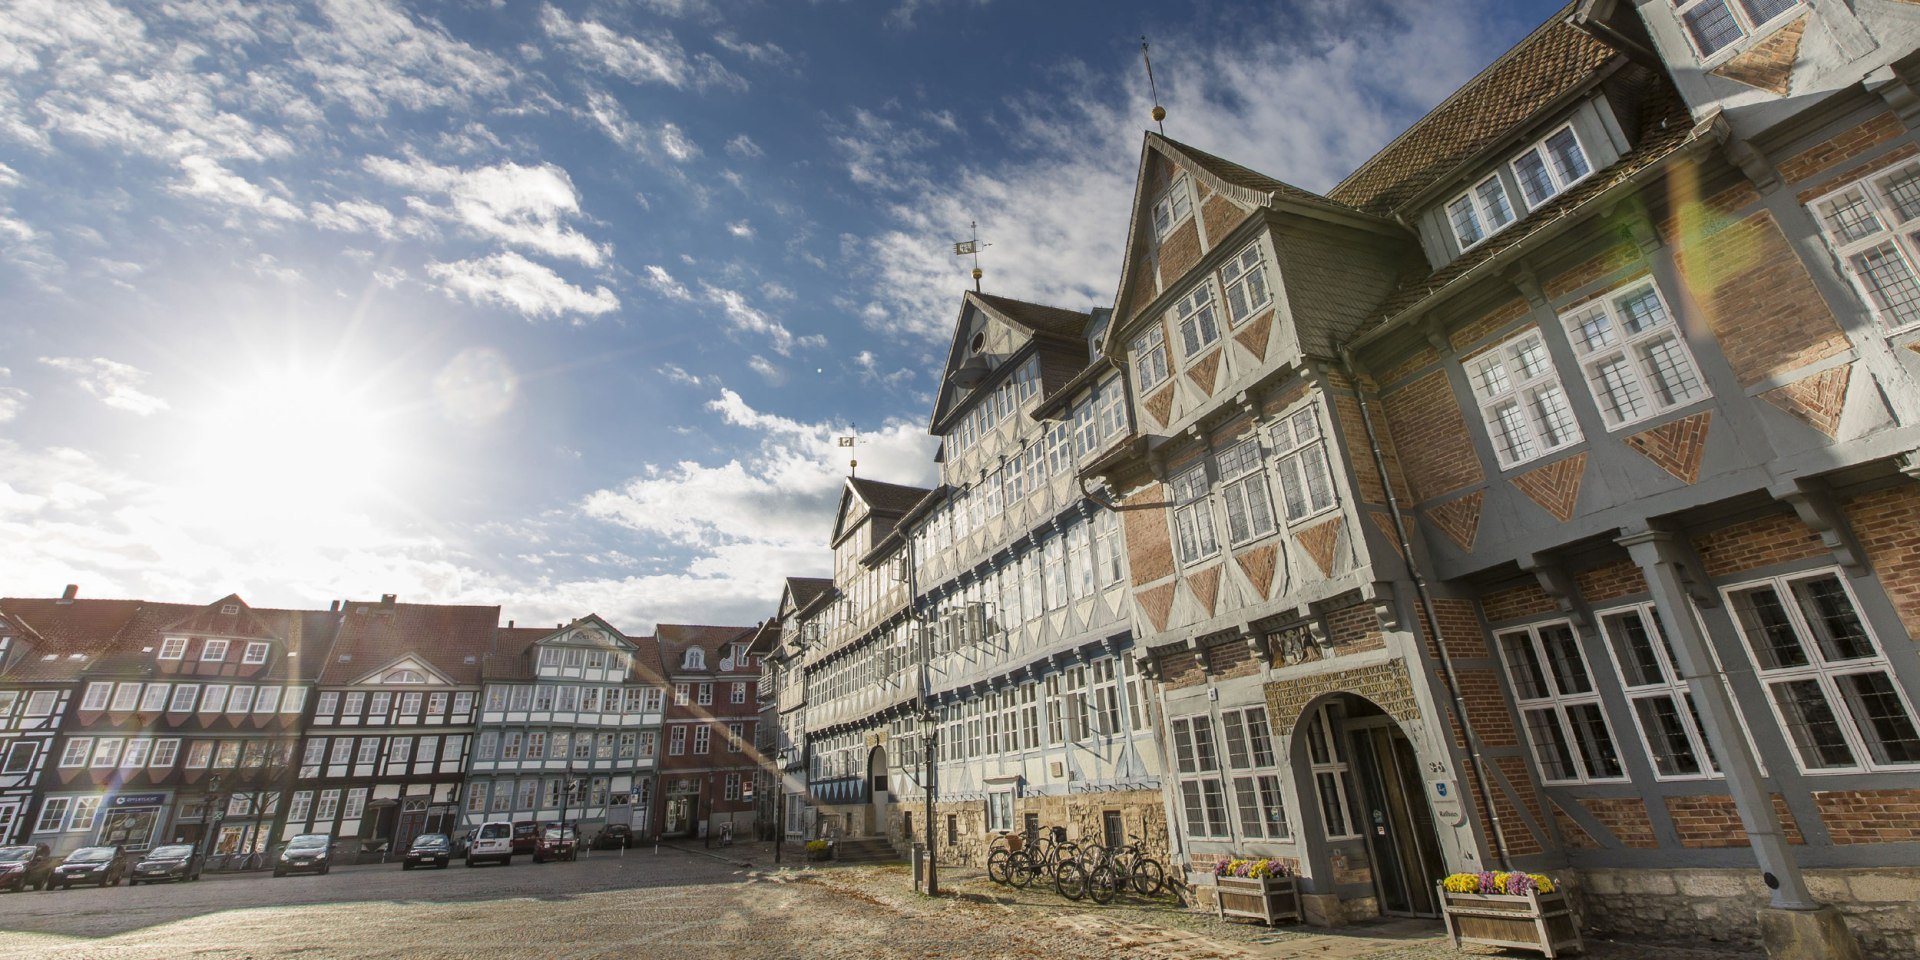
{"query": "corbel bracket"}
(1754, 164)
(1386, 610)
(1894, 87)
(1147, 664)
(1814, 504)
(1527, 285)
(1909, 463)
(1556, 583)
(1436, 333)
(1259, 641)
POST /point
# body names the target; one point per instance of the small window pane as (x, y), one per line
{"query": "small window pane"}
(1812, 725)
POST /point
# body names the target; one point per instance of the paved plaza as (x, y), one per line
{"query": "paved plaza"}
(677, 903)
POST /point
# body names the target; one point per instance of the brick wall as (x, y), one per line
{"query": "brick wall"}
(1877, 164)
(1514, 770)
(1600, 265)
(1221, 215)
(1181, 669)
(1431, 434)
(1355, 629)
(1148, 538)
(1516, 602)
(1492, 322)
(1572, 834)
(1487, 707)
(1179, 252)
(1366, 474)
(1710, 820)
(1757, 296)
(1870, 816)
(1232, 659)
(1626, 818)
(1887, 524)
(1459, 628)
(1611, 581)
(1751, 544)
(1841, 147)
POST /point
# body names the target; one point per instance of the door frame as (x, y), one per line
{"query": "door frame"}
(1424, 841)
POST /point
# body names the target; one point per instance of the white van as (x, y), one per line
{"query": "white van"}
(493, 841)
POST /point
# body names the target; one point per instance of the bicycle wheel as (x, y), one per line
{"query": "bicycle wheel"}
(1069, 880)
(1102, 884)
(1021, 871)
(997, 866)
(1148, 877)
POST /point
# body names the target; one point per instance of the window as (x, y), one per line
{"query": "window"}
(550, 656)
(522, 697)
(677, 741)
(1109, 552)
(213, 651)
(603, 747)
(155, 699)
(301, 807)
(295, 699)
(1150, 358)
(173, 648)
(77, 752)
(53, 814)
(1306, 483)
(343, 750)
(256, 653)
(1245, 277)
(569, 699)
(268, 701)
(370, 749)
(496, 698)
(20, 756)
(1243, 488)
(1866, 224)
(1558, 702)
(1332, 780)
(1521, 400)
(576, 657)
(696, 659)
(1714, 25)
(329, 805)
(241, 700)
(1662, 702)
(462, 704)
(126, 696)
(654, 696)
(1828, 680)
(736, 736)
(1172, 207)
(1194, 318)
(702, 736)
(1480, 212)
(97, 696)
(40, 703)
(106, 753)
(215, 699)
(1193, 516)
(84, 810)
(200, 754)
(356, 705)
(680, 691)
(378, 704)
(1000, 811)
(1202, 797)
(510, 746)
(1633, 356)
(316, 751)
(704, 695)
(400, 751)
(1256, 775)
(327, 704)
(164, 752)
(536, 745)
(137, 752)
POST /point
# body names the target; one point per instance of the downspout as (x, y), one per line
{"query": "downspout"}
(1476, 765)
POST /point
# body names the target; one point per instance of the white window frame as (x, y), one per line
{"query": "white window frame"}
(1244, 493)
(1195, 537)
(1299, 456)
(1649, 693)
(1748, 23)
(1246, 274)
(98, 696)
(1257, 777)
(126, 698)
(1173, 207)
(1149, 351)
(1556, 177)
(1481, 211)
(154, 700)
(255, 653)
(300, 807)
(1611, 355)
(53, 815)
(78, 751)
(1332, 777)
(1900, 234)
(1197, 320)
(1820, 670)
(1547, 702)
(173, 648)
(1198, 770)
(702, 739)
(1499, 378)
(165, 751)
(213, 651)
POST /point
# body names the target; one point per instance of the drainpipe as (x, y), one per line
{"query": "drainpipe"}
(1476, 763)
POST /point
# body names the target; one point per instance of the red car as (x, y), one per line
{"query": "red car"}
(526, 836)
(557, 842)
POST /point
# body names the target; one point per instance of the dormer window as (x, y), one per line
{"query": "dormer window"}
(255, 653)
(696, 659)
(229, 609)
(1549, 167)
(173, 648)
(1480, 212)
(1714, 25)
(550, 656)
(213, 651)
(1173, 207)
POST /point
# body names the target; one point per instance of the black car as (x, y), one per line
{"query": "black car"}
(25, 867)
(613, 836)
(100, 866)
(175, 861)
(429, 850)
(306, 853)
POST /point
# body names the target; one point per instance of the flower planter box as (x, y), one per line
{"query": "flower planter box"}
(1267, 899)
(1536, 921)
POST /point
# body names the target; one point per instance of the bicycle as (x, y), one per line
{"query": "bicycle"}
(1133, 867)
(1042, 853)
(1090, 874)
(1004, 850)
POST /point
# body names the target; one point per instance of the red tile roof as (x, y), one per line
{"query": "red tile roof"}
(451, 639)
(75, 632)
(675, 639)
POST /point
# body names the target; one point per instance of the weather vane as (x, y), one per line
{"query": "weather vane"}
(850, 442)
(971, 248)
(1159, 112)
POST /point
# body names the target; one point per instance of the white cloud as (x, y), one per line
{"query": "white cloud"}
(363, 216)
(767, 369)
(654, 58)
(12, 399)
(741, 229)
(678, 374)
(747, 318)
(883, 154)
(870, 370)
(663, 282)
(676, 144)
(768, 53)
(775, 290)
(207, 180)
(511, 280)
(376, 56)
(743, 146)
(116, 384)
(526, 206)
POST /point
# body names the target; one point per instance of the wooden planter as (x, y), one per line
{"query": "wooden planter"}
(1536, 921)
(1267, 899)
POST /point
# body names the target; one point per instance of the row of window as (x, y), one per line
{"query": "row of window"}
(1544, 170)
(1251, 776)
(1824, 675)
(161, 753)
(193, 698)
(574, 658)
(1080, 703)
(383, 707)
(1239, 494)
(565, 744)
(531, 793)
(573, 698)
(214, 650)
(1009, 398)
(401, 752)
(1194, 318)
(302, 808)
(739, 691)
(39, 703)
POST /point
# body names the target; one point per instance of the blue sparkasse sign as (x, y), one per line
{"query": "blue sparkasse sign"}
(138, 800)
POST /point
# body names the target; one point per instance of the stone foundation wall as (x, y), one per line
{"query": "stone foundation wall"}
(1142, 814)
(1720, 905)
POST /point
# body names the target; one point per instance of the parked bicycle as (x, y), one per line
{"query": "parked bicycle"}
(1088, 874)
(1132, 867)
(1043, 853)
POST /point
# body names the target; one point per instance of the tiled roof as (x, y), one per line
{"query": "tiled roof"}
(675, 638)
(884, 497)
(509, 660)
(64, 629)
(1554, 59)
(213, 620)
(1239, 176)
(806, 589)
(303, 638)
(1665, 127)
(451, 639)
(1037, 317)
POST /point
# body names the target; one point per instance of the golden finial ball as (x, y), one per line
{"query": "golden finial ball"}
(976, 273)
(1159, 113)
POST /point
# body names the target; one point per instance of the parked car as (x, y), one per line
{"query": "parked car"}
(174, 861)
(526, 836)
(557, 842)
(493, 841)
(461, 841)
(428, 850)
(100, 866)
(25, 867)
(613, 836)
(306, 853)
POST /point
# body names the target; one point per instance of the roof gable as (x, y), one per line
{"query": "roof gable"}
(397, 672)
(862, 498)
(228, 616)
(588, 631)
(1057, 332)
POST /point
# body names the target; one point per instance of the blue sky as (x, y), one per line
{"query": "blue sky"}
(559, 305)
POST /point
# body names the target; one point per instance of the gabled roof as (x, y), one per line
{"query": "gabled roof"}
(676, 638)
(212, 620)
(804, 590)
(1057, 335)
(452, 640)
(885, 503)
(1036, 318)
(74, 632)
(1250, 187)
(513, 657)
(1556, 58)
(301, 639)
(766, 637)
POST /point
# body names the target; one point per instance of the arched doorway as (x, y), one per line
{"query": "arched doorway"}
(1377, 827)
(878, 794)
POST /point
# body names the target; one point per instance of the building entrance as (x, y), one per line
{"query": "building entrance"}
(1396, 820)
(878, 795)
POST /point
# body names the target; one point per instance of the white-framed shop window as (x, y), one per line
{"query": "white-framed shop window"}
(1203, 798)
(1715, 25)
(1662, 702)
(1829, 682)
(1870, 225)
(1480, 212)
(1193, 516)
(1245, 280)
(1243, 489)
(1632, 354)
(1559, 703)
(1300, 456)
(1199, 324)
(1332, 778)
(1521, 401)
(1546, 169)
(1256, 773)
